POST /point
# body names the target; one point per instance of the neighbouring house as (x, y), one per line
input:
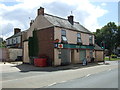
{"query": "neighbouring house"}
(15, 45)
(99, 53)
(16, 40)
(63, 41)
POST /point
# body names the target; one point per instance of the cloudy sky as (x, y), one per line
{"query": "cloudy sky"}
(92, 14)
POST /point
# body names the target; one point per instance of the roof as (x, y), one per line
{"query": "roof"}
(61, 22)
(15, 35)
(98, 48)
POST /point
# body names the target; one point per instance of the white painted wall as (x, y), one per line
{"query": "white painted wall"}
(16, 40)
(26, 58)
(13, 53)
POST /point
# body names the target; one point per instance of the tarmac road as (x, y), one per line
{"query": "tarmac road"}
(27, 76)
(107, 79)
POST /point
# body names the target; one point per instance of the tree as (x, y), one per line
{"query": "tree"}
(108, 36)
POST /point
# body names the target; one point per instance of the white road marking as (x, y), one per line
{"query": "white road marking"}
(88, 75)
(63, 81)
(109, 69)
(52, 84)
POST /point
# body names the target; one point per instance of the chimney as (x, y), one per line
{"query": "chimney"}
(70, 19)
(16, 30)
(41, 11)
(32, 21)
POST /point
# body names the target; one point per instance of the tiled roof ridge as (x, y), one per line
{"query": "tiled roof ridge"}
(60, 18)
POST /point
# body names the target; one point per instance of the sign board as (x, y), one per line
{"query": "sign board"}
(60, 45)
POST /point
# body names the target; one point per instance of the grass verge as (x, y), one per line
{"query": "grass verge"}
(112, 59)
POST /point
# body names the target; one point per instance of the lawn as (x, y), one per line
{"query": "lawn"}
(112, 59)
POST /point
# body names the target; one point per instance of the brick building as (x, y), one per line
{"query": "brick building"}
(16, 40)
(64, 41)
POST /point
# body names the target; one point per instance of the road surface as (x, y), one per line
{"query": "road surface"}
(107, 79)
(31, 77)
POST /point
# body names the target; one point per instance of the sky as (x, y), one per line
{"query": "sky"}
(92, 14)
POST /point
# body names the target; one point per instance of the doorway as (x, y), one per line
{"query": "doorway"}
(65, 56)
(72, 56)
(82, 54)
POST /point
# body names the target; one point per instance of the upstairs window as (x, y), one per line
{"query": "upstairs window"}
(8, 41)
(12, 41)
(63, 33)
(90, 39)
(16, 40)
(63, 36)
(79, 41)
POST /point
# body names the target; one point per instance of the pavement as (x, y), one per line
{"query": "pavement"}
(20, 67)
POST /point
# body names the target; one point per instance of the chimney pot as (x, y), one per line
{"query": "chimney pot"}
(70, 19)
(32, 21)
(41, 11)
(16, 30)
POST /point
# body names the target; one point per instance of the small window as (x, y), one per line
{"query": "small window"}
(8, 41)
(90, 39)
(12, 41)
(16, 40)
(78, 35)
(59, 56)
(63, 33)
(63, 36)
(79, 38)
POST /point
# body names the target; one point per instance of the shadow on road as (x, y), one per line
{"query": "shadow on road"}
(28, 67)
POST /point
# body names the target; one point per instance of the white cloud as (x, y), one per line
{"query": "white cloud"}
(18, 15)
(103, 4)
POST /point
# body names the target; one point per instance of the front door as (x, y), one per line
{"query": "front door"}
(82, 54)
(65, 56)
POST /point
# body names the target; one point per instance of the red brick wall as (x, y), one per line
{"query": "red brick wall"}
(45, 42)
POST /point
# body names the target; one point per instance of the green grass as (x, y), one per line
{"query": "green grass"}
(112, 59)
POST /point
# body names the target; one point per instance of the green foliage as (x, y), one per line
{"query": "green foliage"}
(30, 46)
(112, 59)
(109, 35)
(2, 44)
(35, 41)
(113, 55)
(33, 45)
